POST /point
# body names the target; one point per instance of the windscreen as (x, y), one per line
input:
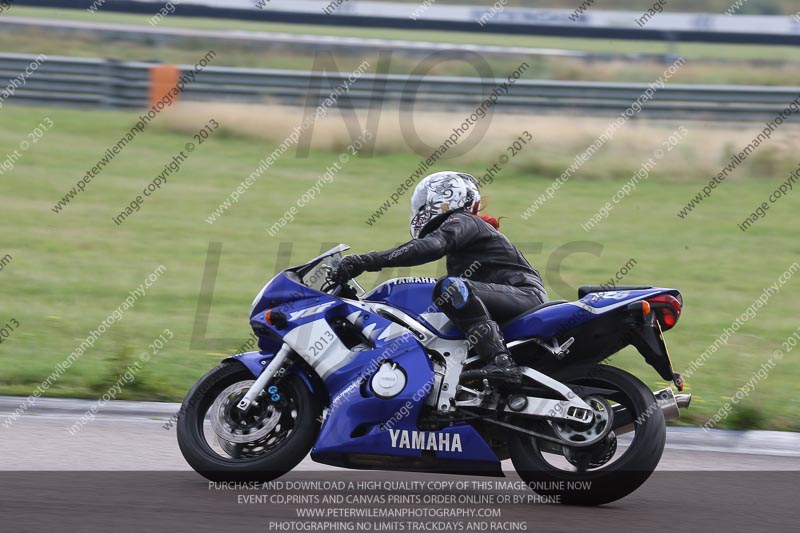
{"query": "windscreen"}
(317, 275)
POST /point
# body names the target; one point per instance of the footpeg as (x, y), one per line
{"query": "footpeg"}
(492, 374)
(563, 350)
(559, 351)
(473, 359)
(478, 396)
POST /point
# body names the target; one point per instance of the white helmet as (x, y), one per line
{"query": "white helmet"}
(439, 194)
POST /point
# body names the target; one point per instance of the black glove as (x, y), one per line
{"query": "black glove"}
(352, 266)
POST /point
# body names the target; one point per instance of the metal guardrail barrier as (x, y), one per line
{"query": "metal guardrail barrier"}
(99, 83)
(78, 82)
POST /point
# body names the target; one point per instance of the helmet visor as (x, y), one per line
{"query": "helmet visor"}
(419, 221)
(420, 211)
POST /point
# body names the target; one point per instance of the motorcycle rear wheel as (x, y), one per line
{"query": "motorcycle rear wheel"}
(609, 481)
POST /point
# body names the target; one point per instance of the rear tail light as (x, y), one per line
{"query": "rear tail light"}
(667, 308)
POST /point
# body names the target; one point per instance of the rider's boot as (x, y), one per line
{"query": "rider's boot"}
(487, 341)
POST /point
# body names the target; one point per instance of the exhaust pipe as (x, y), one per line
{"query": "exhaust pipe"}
(665, 399)
(683, 400)
(669, 402)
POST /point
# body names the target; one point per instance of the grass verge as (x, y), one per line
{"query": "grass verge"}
(70, 270)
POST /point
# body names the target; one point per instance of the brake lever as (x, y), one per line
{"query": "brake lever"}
(329, 270)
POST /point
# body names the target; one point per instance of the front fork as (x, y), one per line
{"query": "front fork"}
(264, 378)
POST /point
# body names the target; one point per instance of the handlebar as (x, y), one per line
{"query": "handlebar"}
(334, 288)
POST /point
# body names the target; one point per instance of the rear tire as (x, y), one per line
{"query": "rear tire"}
(194, 445)
(617, 479)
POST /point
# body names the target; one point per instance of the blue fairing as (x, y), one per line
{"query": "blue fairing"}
(257, 361)
(359, 422)
(556, 319)
(415, 297)
(356, 415)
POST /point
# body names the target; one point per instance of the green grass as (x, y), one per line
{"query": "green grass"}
(70, 270)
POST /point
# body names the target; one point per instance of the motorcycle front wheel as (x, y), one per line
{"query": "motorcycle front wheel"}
(223, 444)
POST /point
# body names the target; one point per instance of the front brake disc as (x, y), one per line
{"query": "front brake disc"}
(237, 428)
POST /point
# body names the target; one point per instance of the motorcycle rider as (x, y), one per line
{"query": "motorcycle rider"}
(445, 222)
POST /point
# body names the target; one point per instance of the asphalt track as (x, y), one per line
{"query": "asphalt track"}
(125, 473)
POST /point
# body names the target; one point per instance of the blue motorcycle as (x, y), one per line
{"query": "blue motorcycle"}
(371, 381)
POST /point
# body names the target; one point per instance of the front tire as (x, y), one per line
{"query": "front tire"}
(599, 483)
(284, 431)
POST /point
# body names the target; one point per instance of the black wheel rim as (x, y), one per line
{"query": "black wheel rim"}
(597, 457)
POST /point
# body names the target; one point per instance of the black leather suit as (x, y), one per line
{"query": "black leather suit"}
(502, 284)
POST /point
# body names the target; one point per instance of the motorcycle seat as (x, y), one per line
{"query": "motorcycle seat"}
(533, 310)
(583, 290)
